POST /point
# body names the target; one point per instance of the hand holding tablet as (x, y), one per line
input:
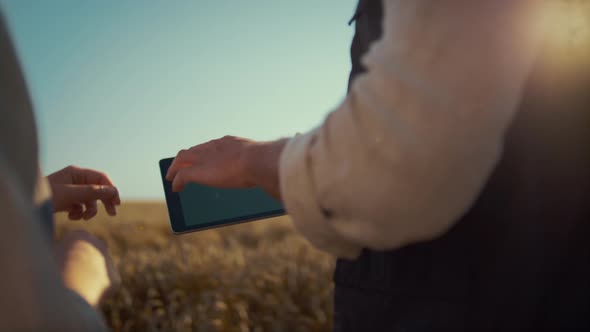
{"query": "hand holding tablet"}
(221, 182)
(198, 207)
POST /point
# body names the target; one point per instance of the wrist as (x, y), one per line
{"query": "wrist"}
(261, 163)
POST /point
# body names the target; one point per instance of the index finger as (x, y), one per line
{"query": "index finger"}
(86, 193)
(183, 159)
(97, 177)
(90, 176)
(94, 177)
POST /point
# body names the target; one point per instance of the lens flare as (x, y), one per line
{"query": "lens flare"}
(566, 25)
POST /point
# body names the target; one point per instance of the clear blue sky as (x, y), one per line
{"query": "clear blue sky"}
(118, 85)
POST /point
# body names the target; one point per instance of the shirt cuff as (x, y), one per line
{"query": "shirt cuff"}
(298, 191)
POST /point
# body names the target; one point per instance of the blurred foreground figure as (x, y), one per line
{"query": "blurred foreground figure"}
(33, 294)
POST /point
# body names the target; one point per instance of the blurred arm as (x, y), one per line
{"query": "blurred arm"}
(408, 151)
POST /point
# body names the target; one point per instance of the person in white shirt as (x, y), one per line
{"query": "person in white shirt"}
(452, 182)
(423, 128)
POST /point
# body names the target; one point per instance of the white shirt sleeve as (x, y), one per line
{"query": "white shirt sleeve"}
(412, 145)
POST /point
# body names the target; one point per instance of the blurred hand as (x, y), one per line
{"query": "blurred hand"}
(86, 266)
(77, 188)
(229, 162)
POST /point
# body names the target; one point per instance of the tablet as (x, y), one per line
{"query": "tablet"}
(198, 207)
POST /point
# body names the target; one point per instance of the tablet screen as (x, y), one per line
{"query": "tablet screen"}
(200, 207)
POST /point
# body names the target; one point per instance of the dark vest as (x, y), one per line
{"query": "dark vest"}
(519, 260)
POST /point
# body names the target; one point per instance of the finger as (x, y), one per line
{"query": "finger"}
(96, 177)
(116, 200)
(182, 177)
(91, 210)
(75, 212)
(89, 176)
(195, 174)
(87, 193)
(111, 205)
(110, 208)
(184, 158)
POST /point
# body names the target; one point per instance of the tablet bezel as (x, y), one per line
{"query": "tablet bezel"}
(177, 222)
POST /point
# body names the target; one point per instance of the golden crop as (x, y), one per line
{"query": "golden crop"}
(258, 276)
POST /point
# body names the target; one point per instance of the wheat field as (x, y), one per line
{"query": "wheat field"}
(257, 276)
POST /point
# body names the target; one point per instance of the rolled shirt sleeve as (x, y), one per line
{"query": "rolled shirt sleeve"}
(412, 145)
